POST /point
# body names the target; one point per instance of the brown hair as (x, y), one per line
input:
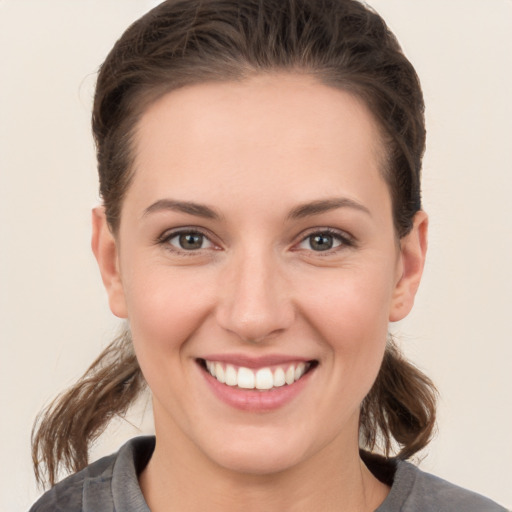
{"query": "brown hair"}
(342, 43)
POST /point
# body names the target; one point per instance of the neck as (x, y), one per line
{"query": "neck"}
(335, 478)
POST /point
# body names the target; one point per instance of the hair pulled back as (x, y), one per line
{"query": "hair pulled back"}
(341, 43)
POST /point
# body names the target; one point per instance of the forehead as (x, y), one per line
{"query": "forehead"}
(271, 130)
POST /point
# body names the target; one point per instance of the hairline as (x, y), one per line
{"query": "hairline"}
(149, 94)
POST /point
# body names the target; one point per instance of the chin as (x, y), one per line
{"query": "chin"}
(256, 461)
(259, 451)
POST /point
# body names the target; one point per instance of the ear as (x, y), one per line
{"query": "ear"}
(104, 247)
(413, 249)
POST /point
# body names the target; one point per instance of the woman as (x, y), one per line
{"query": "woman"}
(261, 225)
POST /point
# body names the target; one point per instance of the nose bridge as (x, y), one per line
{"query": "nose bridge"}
(256, 303)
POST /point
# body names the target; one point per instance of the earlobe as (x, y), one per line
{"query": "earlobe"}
(104, 247)
(413, 249)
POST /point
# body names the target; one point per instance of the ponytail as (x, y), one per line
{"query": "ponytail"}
(401, 407)
(65, 429)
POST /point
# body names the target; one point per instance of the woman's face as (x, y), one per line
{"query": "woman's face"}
(257, 240)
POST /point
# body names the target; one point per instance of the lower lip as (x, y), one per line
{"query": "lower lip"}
(254, 400)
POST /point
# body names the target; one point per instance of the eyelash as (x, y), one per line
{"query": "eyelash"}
(344, 239)
(169, 235)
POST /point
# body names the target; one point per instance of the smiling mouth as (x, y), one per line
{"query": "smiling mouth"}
(261, 379)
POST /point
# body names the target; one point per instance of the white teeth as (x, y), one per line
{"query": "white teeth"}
(231, 376)
(262, 379)
(219, 373)
(245, 378)
(279, 378)
(290, 375)
(299, 371)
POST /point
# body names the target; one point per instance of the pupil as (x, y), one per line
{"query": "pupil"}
(321, 242)
(191, 241)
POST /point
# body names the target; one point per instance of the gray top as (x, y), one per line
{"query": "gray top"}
(111, 485)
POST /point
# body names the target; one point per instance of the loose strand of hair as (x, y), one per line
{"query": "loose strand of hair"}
(65, 429)
(400, 409)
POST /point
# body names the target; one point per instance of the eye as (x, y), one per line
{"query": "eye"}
(188, 241)
(324, 241)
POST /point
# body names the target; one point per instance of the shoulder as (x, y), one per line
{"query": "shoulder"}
(415, 490)
(67, 495)
(94, 488)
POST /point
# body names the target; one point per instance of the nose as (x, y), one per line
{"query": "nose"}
(255, 300)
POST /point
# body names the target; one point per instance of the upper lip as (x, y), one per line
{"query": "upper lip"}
(255, 362)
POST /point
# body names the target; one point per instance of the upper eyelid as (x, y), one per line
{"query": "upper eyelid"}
(342, 234)
(169, 234)
(172, 232)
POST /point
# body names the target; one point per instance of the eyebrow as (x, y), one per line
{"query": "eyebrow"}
(199, 210)
(325, 205)
(299, 212)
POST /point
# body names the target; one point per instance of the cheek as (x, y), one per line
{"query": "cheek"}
(355, 301)
(165, 306)
(350, 313)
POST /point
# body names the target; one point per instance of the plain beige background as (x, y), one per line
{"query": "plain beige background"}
(54, 317)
